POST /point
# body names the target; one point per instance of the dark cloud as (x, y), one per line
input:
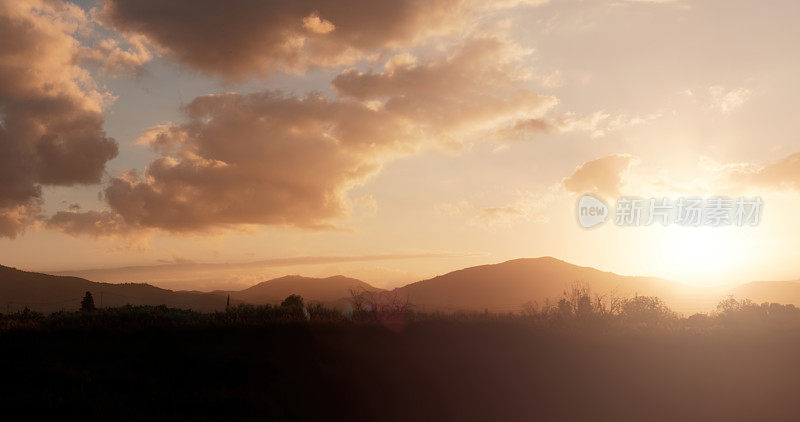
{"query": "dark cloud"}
(50, 112)
(242, 38)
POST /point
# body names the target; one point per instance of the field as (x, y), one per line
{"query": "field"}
(287, 363)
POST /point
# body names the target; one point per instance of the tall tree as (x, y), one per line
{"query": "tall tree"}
(87, 304)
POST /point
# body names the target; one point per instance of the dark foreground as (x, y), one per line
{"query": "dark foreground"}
(435, 369)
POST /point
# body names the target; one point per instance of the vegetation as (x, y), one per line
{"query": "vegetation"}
(576, 309)
(87, 304)
(580, 357)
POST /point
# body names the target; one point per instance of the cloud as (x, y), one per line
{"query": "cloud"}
(274, 159)
(314, 24)
(115, 60)
(726, 100)
(450, 209)
(91, 223)
(781, 174)
(525, 129)
(240, 38)
(492, 213)
(525, 207)
(479, 85)
(491, 217)
(263, 158)
(604, 176)
(601, 123)
(678, 3)
(14, 219)
(592, 123)
(366, 206)
(552, 80)
(50, 109)
(259, 38)
(596, 124)
(182, 273)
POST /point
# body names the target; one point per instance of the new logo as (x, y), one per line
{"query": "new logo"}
(591, 211)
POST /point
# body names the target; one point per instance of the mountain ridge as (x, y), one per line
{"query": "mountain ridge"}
(50, 293)
(320, 289)
(503, 286)
(506, 286)
(770, 291)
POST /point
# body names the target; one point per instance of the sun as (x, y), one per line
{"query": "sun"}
(701, 255)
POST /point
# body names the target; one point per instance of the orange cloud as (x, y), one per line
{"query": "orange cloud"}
(272, 159)
(603, 176)
(115, 60)
(479, 85)
(782, 174)
(525, 129)
(92, 223)
(258, 159)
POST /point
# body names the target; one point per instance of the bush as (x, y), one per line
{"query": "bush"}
(647, 310)
(746, 314)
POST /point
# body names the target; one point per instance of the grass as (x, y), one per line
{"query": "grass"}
(578, 358)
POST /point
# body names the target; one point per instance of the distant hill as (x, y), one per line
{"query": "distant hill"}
(330, 289)
(506, 286)
(499, 287)
(770, 291)
(49, 293)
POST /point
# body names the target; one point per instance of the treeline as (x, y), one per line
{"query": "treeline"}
(578, 308)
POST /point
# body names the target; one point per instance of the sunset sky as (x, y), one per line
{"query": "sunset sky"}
(393, 141)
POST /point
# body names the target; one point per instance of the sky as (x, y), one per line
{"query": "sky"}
(393, 141)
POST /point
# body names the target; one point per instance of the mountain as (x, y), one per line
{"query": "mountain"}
(508, 285)
(330, 289)
(49, 293)
(770, 291)
(499, 287)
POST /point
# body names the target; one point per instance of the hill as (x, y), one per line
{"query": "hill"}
(498, 287)
(770, 291)
(508, 285)
(329, 289)
(49, 293)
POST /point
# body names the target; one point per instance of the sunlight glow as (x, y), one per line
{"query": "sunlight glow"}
(702, 255)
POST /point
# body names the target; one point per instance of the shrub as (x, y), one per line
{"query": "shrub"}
(648, 310)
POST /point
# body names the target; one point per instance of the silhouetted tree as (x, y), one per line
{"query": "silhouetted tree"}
(577, 303)
(293, 307)
(646, 310)
(363, 303)
(293, 302)
(87, 304)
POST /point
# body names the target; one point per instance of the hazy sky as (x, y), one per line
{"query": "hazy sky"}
(436, 134)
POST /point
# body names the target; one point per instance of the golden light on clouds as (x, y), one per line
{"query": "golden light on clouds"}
(235, 130)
